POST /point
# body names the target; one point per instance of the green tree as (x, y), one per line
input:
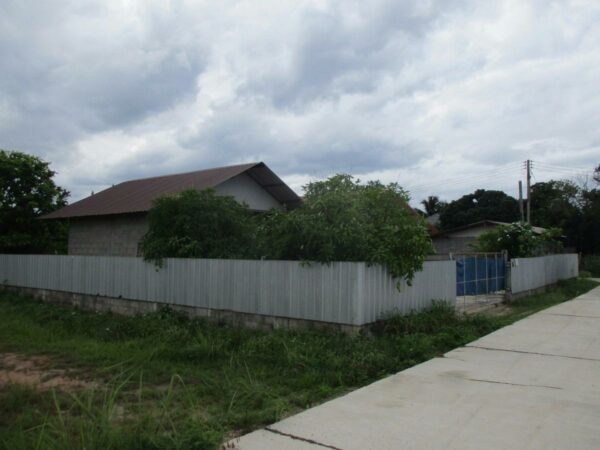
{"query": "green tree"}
(433, 205)
(588, 230)
(573, 208)
(480, 205)
(343, 220)
(198, 224)
(557, 203)
(28, 191)
(519, 240)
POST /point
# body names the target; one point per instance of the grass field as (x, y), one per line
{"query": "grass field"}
(74, 379)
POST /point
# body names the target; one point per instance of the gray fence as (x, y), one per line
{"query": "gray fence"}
(533, 273)
(341, 292)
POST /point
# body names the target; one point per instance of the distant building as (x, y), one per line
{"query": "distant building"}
(114, 221)
(463, 239)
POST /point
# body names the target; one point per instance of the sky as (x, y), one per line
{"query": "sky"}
(442, 97)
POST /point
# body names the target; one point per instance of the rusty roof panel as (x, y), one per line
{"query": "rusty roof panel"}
(138, 195)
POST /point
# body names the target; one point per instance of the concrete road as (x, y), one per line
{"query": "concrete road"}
(532, 385)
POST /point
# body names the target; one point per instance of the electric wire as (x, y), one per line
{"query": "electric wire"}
(465, 178)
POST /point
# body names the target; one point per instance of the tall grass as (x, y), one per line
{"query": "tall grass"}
(114, 416)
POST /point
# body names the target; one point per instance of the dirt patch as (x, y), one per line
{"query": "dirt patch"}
(38, 372)
(492, 305)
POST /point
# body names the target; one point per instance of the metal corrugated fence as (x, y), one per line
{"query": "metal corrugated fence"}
(341, 292)
(532, 273)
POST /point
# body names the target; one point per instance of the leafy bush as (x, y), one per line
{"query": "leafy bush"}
(519, 240)
(339, 220)
(342, 220)
(198, 224)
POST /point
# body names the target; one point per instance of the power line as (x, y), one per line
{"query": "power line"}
(560, 167)
(493, 176)
(463, 185)
(465, 178)
(460, 182)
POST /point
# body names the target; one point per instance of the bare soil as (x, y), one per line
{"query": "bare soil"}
(491, 305)
(38, 372)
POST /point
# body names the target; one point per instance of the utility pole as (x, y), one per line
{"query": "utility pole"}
(521, 201)
(528, 191)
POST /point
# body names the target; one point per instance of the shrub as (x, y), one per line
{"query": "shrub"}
(519, 240)
(198, 224)
(342, 220)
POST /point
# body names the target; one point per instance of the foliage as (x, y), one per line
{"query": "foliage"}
(198, 224)
(556, 203)
(596, 175)
(339, 220)
(28, 191)
(433, 205)
(519, 240)
(575, 209)
(591, 264)
(165, 381)
(587, 235)
(343, 220)
(478, 206)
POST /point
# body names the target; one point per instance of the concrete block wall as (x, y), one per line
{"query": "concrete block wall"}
(128, 307)
(118, 235)
(451, 244)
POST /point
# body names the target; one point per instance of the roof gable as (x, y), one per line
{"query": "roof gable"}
(138, 195)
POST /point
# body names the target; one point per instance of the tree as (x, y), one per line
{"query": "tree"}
(573, 208)
(519, 240)
(433, 205)
(480, 205)
(342, 220)
(597, 174)
(588, 235)
(198, 224)
(556, 204)
(28, 191)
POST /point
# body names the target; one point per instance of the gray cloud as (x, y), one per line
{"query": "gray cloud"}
(68, 71)
(415, 92)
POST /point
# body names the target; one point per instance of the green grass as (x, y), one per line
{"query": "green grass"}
(167, 382)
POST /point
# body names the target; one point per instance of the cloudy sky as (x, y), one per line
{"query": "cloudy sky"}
(440, 96)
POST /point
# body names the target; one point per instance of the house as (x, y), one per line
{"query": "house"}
(463, 239)
(113, 221)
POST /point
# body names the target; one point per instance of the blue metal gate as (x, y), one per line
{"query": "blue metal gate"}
(480, 273)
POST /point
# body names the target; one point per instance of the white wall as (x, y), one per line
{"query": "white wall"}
(244, 189)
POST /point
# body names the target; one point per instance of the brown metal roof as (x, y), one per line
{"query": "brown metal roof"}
(137, 195)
